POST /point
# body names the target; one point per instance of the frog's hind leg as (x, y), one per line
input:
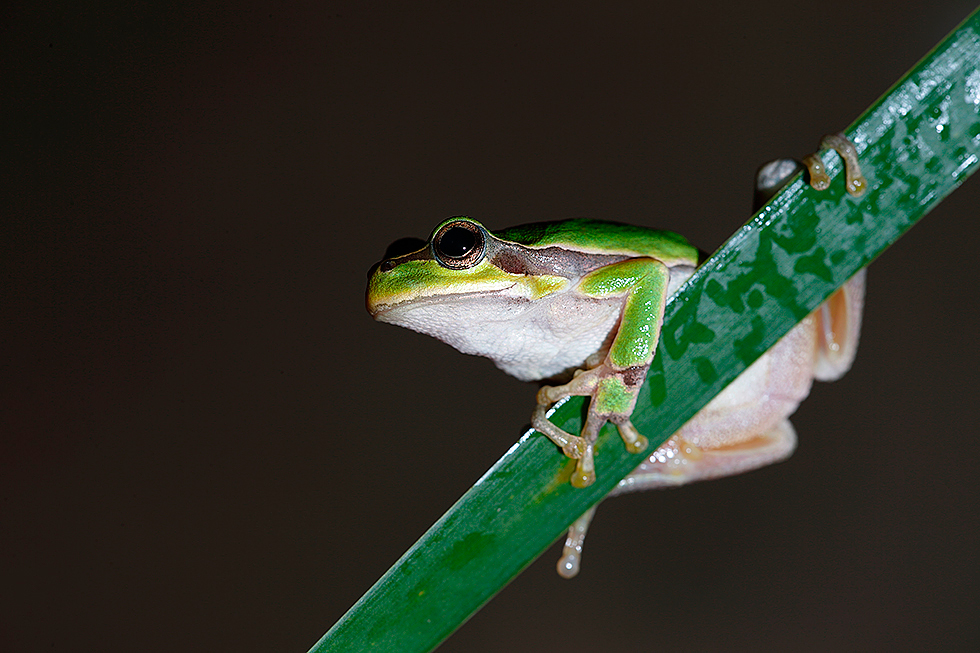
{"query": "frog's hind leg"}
(677, 461)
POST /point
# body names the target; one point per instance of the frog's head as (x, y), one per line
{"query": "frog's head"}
(461, 261)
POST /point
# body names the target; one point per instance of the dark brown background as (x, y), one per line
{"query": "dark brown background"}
(208, 445)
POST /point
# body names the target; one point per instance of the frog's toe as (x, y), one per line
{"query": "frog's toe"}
(638, 446)
(583, 479)
(571, 553)
(569, 564)
(584, 474)
(544, 396)
(635, 441)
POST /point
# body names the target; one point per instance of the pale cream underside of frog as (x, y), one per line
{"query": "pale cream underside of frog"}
(546, 338)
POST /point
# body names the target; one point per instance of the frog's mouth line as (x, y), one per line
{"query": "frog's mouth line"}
(379, 310)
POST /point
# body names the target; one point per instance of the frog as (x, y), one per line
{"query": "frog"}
(578, 305)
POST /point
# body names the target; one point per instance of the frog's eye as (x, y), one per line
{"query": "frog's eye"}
(459, 245)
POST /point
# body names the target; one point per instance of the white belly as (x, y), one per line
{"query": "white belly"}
(530, 340)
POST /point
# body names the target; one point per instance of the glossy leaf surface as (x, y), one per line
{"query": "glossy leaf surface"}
(916, 145)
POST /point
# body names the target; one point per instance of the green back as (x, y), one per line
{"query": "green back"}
(601, 236)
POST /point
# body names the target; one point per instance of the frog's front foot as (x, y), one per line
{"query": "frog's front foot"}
(611, 399)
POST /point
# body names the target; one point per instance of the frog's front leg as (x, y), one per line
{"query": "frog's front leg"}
(615, 383)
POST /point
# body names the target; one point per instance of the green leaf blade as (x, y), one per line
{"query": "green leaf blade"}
(917, 143)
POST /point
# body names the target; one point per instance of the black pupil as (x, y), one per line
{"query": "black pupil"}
(457, 242)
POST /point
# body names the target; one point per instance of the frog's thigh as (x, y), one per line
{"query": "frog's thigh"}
(676, 464)
(762, 396)
(744, 427)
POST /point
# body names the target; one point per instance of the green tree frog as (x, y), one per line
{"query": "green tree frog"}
(582, 301)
